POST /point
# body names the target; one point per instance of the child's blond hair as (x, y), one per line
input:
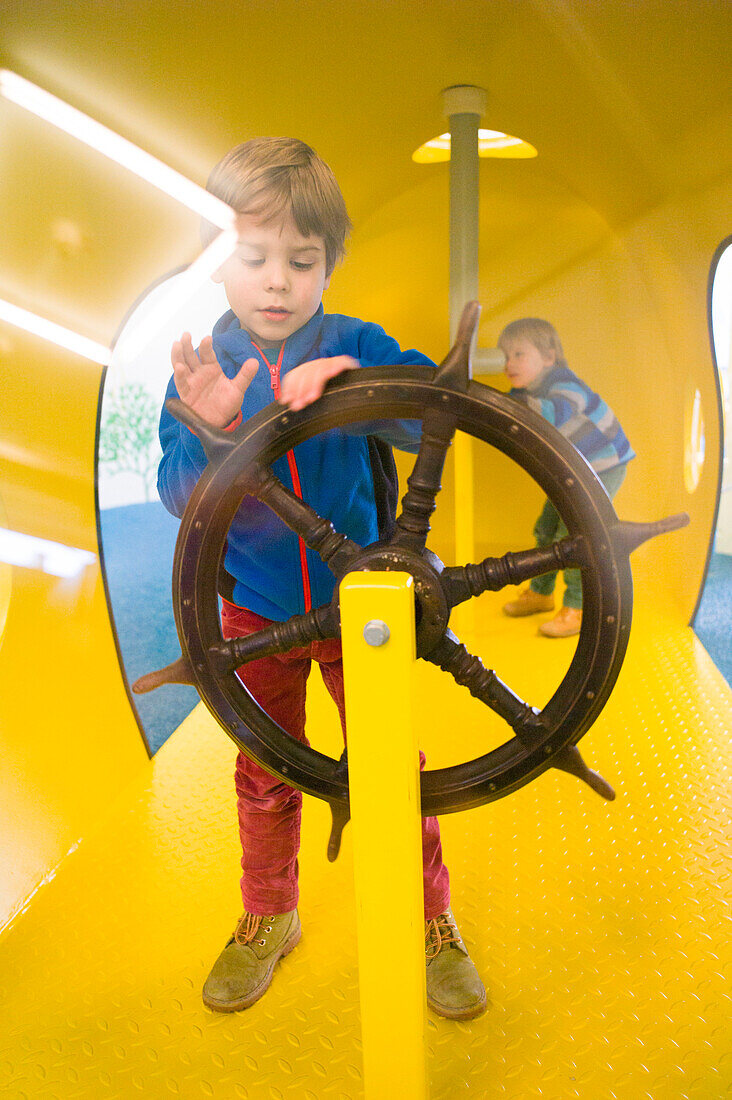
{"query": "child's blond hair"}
(540, 333)
(273, 178)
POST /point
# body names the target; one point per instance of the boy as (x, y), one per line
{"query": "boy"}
(541, 379)
(276, 341)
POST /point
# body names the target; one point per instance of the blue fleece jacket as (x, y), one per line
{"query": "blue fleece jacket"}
(337, 469)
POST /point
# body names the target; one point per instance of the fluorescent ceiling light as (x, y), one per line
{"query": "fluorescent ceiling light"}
(117, 148)
(46, 106)
(42, 554)
(47, 330)
(491, 143)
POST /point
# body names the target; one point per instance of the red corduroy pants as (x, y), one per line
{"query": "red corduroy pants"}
(269, 810)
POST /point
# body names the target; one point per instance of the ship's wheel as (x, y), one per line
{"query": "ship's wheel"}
(445, 400)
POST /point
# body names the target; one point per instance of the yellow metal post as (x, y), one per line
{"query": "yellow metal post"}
(377, 627)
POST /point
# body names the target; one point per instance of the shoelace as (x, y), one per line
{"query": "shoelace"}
(248, 927)
(439, 933)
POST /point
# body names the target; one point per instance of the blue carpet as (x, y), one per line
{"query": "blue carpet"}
(713, 623)
(138, 541)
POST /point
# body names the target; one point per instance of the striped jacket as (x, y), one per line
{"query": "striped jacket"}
(580, 415)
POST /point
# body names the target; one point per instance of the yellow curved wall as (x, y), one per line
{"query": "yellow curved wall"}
(69, 739)
(630, 305)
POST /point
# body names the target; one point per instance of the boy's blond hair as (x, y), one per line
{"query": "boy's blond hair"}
(273, 178)
(540, 333)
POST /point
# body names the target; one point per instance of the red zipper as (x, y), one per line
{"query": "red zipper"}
(274, 377)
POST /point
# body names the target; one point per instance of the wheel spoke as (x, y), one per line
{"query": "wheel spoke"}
(319, 534)
(470, 672)
(341, 814)
(424, 483)
(460, 582)
(300, 630)
(570, 760)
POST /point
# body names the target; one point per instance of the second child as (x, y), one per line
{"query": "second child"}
(541, 379)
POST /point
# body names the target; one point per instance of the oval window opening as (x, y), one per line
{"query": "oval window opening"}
(136, 533)
(713, 613)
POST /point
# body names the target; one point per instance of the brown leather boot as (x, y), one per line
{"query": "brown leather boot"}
(244, 969)
(528, 602)
(454, 988)
(565, 624)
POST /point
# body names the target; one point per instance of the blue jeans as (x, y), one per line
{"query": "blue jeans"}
(550, 528)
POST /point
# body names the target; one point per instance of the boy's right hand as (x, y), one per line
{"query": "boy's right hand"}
(203, 386)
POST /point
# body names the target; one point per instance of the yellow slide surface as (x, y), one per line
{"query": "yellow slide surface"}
(602, 930)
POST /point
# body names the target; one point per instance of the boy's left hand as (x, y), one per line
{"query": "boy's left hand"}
(304, 384)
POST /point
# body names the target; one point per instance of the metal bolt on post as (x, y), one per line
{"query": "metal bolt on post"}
(376, 632)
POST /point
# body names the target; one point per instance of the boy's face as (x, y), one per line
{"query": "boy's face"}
(275, 279)
(524, 361)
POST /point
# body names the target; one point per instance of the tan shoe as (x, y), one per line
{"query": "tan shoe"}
(454, 988)
(244, 969)
(565, 624)
(528, 602)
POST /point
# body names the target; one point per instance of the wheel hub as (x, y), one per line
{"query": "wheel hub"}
(431, 609)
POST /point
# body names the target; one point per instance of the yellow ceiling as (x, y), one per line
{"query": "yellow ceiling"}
(627, 103)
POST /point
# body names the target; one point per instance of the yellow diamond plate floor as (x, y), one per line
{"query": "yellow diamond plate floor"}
(602, 930)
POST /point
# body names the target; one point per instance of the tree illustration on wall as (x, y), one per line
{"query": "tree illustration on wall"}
(128, 440)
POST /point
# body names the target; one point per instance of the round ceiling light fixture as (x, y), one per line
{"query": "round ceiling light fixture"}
(491, 143)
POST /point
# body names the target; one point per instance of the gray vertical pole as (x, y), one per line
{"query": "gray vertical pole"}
(463, 105)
